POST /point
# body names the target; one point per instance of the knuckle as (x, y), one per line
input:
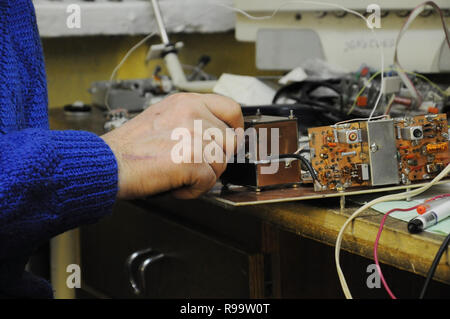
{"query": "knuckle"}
(235, 107)
(176, 97)
(211, 179)
(183, 113)
(238, 115)
(181, 98)
(222, 168)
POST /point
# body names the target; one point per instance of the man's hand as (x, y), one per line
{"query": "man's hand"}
(143, 146)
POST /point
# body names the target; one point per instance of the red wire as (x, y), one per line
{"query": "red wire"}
(375, 248)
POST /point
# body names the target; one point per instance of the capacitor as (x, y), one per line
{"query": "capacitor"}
(348, 153)
(402, 101)
(435, 148)
(331, 144)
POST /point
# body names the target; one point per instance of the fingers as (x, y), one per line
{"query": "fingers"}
(204, 178)
(150, 137)
(214, 155)
(196, 108)
(225, 109)
(229, 112)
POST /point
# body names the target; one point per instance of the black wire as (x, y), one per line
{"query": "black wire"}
(301, 93)
(304, 161)
(434, 265)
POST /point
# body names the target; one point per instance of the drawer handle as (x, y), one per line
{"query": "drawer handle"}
(140, 287)
(129, 267)
(147, 262)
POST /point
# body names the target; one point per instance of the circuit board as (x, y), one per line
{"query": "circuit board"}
(381, 152)
(340, 156)
(422, 144)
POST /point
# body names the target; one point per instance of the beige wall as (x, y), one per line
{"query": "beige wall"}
(73, 63)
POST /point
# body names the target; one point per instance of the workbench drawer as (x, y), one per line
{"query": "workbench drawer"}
(192, 264)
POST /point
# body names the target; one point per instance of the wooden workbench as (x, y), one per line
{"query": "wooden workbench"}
(316, 220)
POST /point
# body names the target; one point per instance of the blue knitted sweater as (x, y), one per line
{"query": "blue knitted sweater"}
(50, 181)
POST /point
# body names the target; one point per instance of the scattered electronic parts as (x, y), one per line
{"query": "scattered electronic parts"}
(137, 94)
(133, 95)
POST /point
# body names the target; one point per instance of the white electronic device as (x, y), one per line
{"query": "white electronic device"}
(313, 29)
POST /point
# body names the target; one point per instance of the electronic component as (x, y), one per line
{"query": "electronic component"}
(425, 157)
(363, 172)
(392, 84)
(259, 155)
(348, 154)
(339, 154)
(436, 148)
(382, 152)
(349, 136)
(133, 95)
(379, 152)
(411, 133)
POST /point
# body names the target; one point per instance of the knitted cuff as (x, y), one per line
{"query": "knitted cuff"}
(86, 177)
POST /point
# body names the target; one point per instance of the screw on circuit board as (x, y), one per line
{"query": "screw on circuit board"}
(373, 148)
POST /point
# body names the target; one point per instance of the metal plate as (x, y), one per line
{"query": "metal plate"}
(382, 152)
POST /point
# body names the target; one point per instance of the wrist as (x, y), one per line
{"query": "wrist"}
(120, 170)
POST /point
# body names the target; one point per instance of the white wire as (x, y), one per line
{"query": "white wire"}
(284, 4)
(362, 119)
(398, 196)
(381, 85)
(116, 69)
(413, 15)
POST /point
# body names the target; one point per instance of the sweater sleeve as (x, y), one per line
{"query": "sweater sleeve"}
(50, 182)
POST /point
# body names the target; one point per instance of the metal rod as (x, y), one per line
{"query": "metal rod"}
(160, 21)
